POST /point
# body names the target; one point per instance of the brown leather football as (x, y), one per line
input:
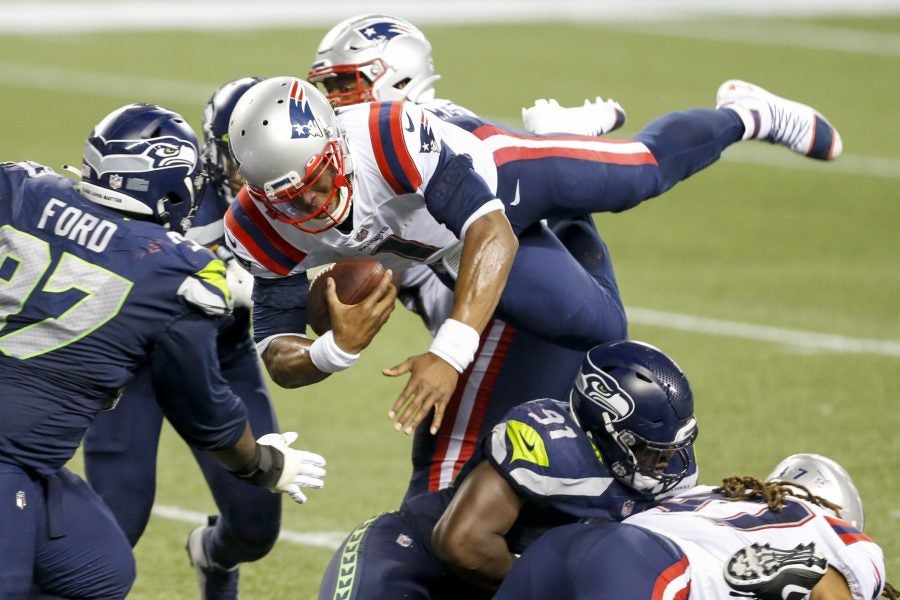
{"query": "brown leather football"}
(355, 279)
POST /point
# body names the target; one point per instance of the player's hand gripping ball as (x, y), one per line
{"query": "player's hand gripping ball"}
(354, 278)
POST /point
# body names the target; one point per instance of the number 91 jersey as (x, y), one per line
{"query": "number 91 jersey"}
(552, 463)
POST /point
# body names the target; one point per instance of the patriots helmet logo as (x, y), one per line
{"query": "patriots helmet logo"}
(303, 120)
(155, 154)
(604, 391)
(427, 143)
(383, 30)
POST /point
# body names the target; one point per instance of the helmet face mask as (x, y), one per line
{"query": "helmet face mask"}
(637, 406)
(825, 478)
(222, 170)
(288, 143)
(389, 58)
(144, 160)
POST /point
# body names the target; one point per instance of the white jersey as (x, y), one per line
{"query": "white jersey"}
(406, 208)
(709, 530)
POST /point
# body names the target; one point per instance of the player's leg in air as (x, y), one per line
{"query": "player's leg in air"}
(563, 176)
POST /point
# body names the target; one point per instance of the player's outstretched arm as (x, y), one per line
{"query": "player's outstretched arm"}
(271, 463)
(488, 251)
(469, 536)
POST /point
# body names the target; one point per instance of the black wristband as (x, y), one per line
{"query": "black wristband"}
(266, 468)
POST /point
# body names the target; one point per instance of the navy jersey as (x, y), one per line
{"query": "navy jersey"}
(86, 299)
(552, 463)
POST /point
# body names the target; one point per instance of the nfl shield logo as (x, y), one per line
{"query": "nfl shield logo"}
(362, 234)
(20, 500)
(115, 181)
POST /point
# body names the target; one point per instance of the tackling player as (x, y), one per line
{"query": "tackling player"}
(122, 467)
(98, 284)
(622, 441)
(797, 535)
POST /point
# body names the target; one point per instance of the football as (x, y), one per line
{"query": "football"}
(354, 278)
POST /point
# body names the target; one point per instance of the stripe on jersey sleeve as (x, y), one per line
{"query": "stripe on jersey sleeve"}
(847, 532)
(394, 160)
(250, 227)
(508, 147)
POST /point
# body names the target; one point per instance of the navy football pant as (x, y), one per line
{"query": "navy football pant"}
(606, 561)
(389, 556)
(513, 366)
(120, 462)
(58, 539)
(559, 177)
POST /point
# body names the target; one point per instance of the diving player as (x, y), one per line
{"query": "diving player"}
(97, 283)
(390, 181)
(629, 443)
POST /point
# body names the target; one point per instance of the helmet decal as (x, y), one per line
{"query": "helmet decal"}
(604, 391)
(382, 30)
(427, 142)
(159, 153)
(303, 119)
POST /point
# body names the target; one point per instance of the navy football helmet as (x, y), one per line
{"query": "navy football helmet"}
(144, 160)
(221, 168)
(637, 406)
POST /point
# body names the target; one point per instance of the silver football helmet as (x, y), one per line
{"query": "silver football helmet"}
(287, 142)
(374, 57)
(825, 478)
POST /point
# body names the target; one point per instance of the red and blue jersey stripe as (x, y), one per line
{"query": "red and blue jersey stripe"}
(246, 221)
(847, 532)
(531, 147)
(391, 154)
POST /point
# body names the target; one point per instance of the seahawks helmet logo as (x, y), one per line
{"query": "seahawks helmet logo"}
(140, 156)
(604, 391)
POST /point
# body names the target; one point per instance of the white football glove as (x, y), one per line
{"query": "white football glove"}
(240, 284)
(593, 118)
(300, 469)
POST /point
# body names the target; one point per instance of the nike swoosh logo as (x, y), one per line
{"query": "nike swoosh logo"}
(516, 198)
(409, 123)
(529, 447)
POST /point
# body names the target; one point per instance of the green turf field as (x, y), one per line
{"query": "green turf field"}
(764, 238)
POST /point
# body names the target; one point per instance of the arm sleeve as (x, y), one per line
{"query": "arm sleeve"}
(190, 388)
(456, 192)
(279, 306)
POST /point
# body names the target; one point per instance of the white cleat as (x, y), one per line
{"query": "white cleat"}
(592, 118)
(780, 121)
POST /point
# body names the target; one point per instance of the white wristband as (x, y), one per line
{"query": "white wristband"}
(328, 357)
(456, 343)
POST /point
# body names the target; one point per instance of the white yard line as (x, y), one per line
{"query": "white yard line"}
(809, 340)
(319, 539)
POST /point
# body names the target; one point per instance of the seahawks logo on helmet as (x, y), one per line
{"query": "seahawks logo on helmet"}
(159, 153)
(303, 121)
(384, 30)
(604, 391)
